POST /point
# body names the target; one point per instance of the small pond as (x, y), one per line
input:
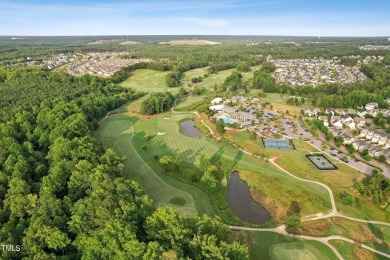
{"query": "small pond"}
(188, 128)
(242, 204)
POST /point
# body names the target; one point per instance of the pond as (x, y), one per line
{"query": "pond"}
(242, 204)
(188, 128)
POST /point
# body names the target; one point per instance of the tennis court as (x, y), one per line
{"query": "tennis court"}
(278, 144)
(321, 162)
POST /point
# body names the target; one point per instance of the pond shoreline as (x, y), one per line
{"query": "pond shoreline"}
(242, 204)
(188, 128)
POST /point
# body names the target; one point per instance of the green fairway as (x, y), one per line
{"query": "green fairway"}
(269, 245)
(188, 75)
(117, 132)
(148, 81)
(213, 79)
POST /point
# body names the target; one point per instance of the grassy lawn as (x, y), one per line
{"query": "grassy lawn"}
(299, 144)
(352, 252)
(213, 79)
(183, 103)
(269, 245)
(276, 195)
(117, 133)
(375, 236)
(245, 140)
(339, 181)
(148, 81)
(279, 103)
(188, 75)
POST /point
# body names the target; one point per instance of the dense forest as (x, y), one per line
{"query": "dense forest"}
(64, 197)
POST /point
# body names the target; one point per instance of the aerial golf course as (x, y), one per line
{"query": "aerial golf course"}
(127, 132)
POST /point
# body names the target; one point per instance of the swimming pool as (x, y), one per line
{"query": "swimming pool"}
(226, 120)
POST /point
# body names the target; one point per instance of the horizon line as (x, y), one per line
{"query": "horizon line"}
(231, 35)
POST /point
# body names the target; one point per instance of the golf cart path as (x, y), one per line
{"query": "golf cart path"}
(325, 240)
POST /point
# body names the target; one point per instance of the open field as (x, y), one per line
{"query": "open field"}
(279, 102)
(148, 81)
(353, 252)
(129, 43)
(217, 78)
(188, 75)
(269, 245)
(117, 132)
(266, 190)
(191, 42)
(245, 139)
(373, 235)
(339, 181)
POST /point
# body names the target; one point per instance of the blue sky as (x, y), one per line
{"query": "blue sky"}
(231, 17)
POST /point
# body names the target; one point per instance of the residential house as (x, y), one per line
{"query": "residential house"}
(373, 112)
(359, 146)
(216, 100)
(217, 107)
(330, 111)
(373, 149)
(371, 106)
(324, 119)
(383, 139)
(339, 111)
(316, 111)
(336, 121)
(363, 132)
(380, 152)
(348, 121)
(245, 124)
(376, 136)
(385, 112)
(360, 122)
(348, 139)
(370, 133)
(351, 111)
(307, 112)
(361, 113)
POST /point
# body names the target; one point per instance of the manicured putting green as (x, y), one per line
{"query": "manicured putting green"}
(296, 250)
(269, 245)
